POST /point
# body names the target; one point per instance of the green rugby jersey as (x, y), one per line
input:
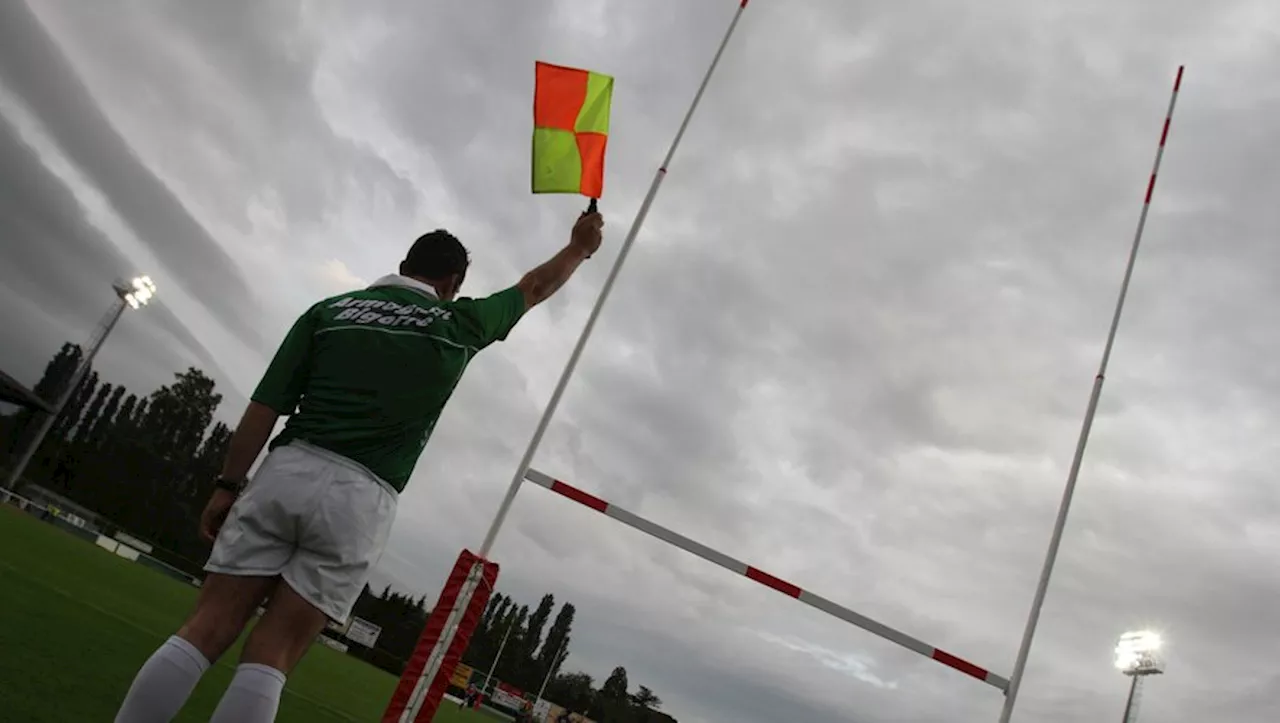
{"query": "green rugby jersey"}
(366, 374)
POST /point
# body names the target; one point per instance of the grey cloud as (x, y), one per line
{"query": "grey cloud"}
(1061, 264)
(56, 274)
(37, 71)
(48, 243)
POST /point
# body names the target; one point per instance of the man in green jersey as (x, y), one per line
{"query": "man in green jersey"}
(363, 377)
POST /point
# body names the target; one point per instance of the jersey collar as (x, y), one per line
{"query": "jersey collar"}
(408, 283)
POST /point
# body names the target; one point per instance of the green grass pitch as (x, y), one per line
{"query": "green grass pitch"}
(77, 621)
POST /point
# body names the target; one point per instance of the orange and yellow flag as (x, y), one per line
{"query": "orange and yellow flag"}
(570, 129)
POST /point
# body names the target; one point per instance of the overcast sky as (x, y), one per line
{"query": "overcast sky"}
(852, 346)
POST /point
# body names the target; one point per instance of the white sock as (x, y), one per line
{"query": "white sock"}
(253, 697)
(163, 684)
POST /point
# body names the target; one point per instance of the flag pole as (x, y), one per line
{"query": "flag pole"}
(518, 478)
(1055, 540)
(469, 587)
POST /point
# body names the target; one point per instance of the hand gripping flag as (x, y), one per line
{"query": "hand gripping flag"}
(570, 129)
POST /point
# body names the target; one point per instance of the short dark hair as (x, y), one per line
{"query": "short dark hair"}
(436, 255)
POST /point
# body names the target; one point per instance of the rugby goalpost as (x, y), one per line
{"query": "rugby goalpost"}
(452, 621)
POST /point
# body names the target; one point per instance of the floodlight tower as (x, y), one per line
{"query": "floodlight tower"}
(131, 295)
(1137, 656)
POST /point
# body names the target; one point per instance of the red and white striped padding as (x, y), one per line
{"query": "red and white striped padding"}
(754, 573)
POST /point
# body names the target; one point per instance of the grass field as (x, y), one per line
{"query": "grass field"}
(76, 622)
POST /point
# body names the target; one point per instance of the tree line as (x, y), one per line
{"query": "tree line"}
(528, 657)
(147, 463)
(612, 702)
(527, 654)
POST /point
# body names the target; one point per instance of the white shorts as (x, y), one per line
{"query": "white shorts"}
(316, 519)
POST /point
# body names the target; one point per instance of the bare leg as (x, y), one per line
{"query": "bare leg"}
(285, 632)
(166, 680)
(225, 606)
(275, 646)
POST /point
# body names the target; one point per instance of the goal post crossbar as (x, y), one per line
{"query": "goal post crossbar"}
(694, 547)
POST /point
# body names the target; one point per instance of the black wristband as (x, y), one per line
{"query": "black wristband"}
(230, 485)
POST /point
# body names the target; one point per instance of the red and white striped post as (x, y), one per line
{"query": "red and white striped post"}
(1055, 540)
(751, 572)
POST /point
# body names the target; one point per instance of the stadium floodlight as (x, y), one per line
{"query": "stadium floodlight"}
(1138, 654)
(132, 295)
(138, 292)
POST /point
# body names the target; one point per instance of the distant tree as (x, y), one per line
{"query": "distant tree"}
(180, 413)
(106, 420)
(147, 473)
(205, 467)
(615, 686)
(644, 699)
(513, 667)
(575, 691)
(484, 640)
(533, 637)
(613, 704)
(499, 619)
(208, 459)
(139, 415)
(487, 617)
(91, 414)
(124, 417)
(57, 373)
(556, 639)
(74, 409)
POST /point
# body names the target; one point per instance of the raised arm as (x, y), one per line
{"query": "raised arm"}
(539, 284)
